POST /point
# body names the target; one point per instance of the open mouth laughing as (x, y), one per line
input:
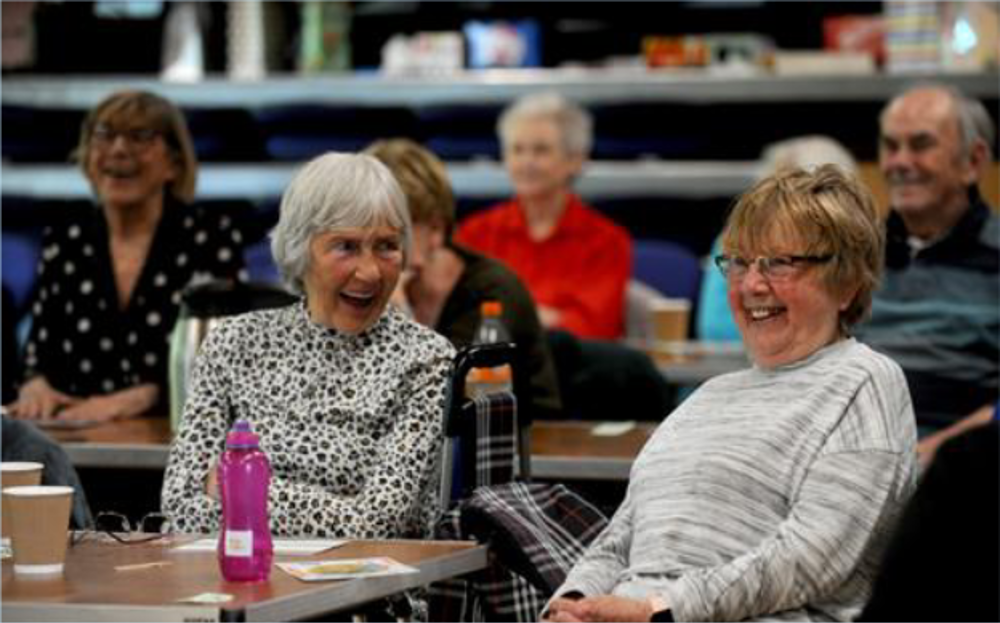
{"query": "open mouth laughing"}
(359, 300)
(763, 313)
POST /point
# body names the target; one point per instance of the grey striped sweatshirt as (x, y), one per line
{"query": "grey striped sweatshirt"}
(766, 494)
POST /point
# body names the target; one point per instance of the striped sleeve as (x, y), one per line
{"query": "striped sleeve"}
(600, 568)
(842, 507)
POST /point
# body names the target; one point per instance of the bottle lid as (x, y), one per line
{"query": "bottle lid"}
(491, 308)
(242, 436)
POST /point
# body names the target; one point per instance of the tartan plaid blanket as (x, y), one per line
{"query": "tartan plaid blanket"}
(536, 533)
(496, 438)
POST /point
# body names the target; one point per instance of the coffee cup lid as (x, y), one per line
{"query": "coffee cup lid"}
(37, 491)
(20, 466)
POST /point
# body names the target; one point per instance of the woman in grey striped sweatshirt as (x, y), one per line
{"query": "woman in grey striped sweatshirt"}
(770, 492)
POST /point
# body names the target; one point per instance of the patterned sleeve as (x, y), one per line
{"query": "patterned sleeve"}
(389, 500)
(200, 440)
(850, 497)
(387, 504)
(601, 566)
(47, 312)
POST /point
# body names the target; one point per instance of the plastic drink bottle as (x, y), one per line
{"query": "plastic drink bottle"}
(491, 330)
(245, 547)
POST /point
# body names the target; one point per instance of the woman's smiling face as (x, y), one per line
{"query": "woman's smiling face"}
(783, 320)
(351, 274)
(128, 162)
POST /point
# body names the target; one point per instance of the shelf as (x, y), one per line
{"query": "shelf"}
(589, 86)
(692, 179)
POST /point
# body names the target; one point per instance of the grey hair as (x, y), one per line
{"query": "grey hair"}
(807, 152)
(334, 191)
(576, 128)
(974, 122)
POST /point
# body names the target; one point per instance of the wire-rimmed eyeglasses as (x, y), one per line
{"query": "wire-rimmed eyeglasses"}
(104, 136)
(117, 527)
(777, 268)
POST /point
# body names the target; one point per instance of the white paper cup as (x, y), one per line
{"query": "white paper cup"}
(39, 527)
(15, 474)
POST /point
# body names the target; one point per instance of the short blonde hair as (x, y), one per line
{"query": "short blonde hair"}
(423, 178)
(831, 213)
(156, 113)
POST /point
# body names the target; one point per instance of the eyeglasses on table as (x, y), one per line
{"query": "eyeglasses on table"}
(115, 526)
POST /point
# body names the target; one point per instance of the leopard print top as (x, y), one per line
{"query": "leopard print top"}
(352, 425)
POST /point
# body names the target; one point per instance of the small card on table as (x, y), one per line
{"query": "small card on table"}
(344, 569)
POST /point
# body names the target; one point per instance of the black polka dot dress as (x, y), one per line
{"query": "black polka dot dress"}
(81, 340)
(352, 425)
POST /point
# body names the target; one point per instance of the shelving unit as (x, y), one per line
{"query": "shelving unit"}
(471, 180)
(687, 179)
(587, 86)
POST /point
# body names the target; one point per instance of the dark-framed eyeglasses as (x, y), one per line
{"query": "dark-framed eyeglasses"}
(777, 268)
(117, 527)
(104, 136)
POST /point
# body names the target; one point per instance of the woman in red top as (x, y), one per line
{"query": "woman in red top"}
(575, 262)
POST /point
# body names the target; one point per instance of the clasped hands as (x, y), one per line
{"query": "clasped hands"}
(38, 400)
(599, 608)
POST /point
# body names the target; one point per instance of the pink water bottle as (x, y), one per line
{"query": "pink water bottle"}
(245, 547)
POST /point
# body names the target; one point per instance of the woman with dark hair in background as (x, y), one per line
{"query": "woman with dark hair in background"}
(110, 278)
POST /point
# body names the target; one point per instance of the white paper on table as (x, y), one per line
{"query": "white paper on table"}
(288, 547)
(612, 429)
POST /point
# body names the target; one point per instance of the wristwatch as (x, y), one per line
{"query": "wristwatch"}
(661, 609)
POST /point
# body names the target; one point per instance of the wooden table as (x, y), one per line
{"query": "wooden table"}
(92, 590)
(568, 450)
(560, 450)
(141, 443)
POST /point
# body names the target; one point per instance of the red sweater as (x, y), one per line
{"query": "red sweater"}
(581, 269)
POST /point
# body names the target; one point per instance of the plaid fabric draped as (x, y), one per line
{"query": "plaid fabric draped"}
(496, 438)
(535, 532)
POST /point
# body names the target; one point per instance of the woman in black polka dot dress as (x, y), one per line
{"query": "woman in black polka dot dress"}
(110, 277)
(346, 393)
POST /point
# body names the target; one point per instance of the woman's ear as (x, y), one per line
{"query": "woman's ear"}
(847, 298)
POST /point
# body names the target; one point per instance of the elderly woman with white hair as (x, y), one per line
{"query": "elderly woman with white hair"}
(346, 393)
(575, 262)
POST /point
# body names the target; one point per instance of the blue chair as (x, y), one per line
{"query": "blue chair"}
(260, 263)
(668, 267)
(20, 252)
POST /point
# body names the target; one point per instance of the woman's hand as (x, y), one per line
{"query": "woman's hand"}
(929, 445)
(127, 403)
(599, 608)
(212, 481)
(39, 400)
